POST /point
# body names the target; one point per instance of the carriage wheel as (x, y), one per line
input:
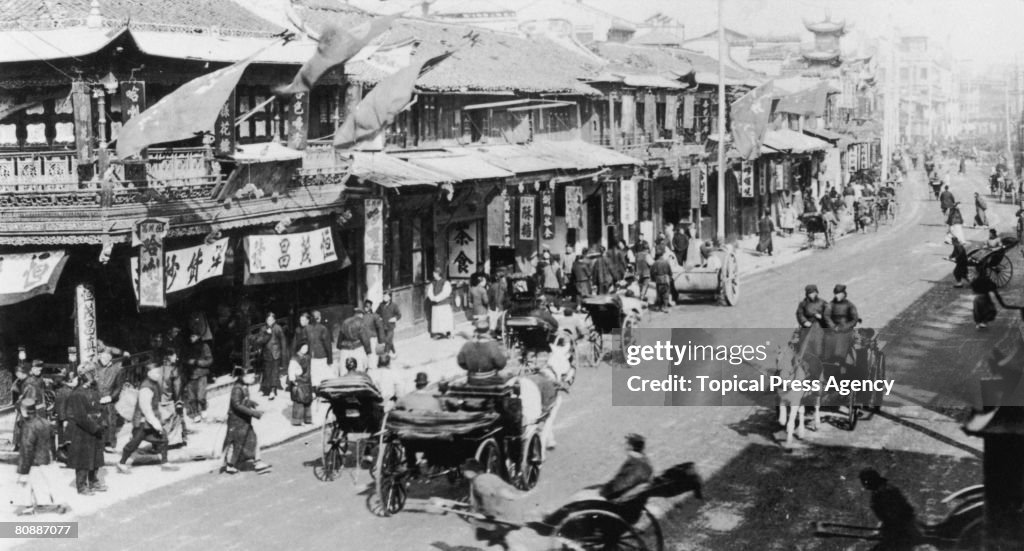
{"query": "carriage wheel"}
(627, 335)
(1000, 273)
(650, 531)
(333, 448)
(594, 529)
(529, 468)
(389, 493)
(489, 455)
(853, 414)
(729, 282)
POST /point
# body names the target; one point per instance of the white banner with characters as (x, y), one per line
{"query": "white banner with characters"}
(286, 253)
(185, 268)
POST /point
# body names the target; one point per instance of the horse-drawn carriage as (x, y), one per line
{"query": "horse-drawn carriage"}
(355, 407)
(718, 278)
(992, 263)
(823, 223)
(500, 424)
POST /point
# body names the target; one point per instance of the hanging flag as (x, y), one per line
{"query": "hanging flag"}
(133, 99)
(25, 275)
(335, 47)
(185, 112)
(574, 207)
(750, 116)
(811, 102)
(379, 107)
(547, 215)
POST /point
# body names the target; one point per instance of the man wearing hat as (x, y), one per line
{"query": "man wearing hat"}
(482, 357)
(356, 340)
(274, 345)
(635, 470)
(421, 399)
(107, 375)
(35, 467)
(198, 362)
(899, 531)
(29, 386)
(146, 423)
(842, 317)
(811, 310)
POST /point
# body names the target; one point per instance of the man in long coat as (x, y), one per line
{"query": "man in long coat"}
(85, 434)
(274, 346)
(946, 200)
(581, 276)
(482, 357)
(241, 436)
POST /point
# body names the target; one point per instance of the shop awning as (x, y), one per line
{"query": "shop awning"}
(391, 172)
(652, 81)
(835, 138)
(27, 275)
(517, 158)
(458, 164)
(580, 155)
(789, 141)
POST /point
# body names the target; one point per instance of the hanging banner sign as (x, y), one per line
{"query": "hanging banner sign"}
(627, 195)
(746, 179)
(201, 262)
(527, 217)
(462, 250)
(298, 120)
(85, 323)
(780, 177)
(695, 188)
(373, 241)
(703, 177)
(547, 215)
(287, 253)
(25, 275)
(224, 128)
(611, 205)
(574, 207)
(148, 236)
(646, 200)
(863, 149)
(507, 217)
(762, 181)
(81, 101)
(133, 99)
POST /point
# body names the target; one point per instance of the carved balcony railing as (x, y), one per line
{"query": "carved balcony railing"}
(40, 171)
(321, 158)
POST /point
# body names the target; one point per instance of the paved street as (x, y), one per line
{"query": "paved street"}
(901, 285)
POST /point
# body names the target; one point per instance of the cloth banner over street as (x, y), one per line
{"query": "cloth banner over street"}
(462, 250)
(203, 262)
(26, 275)
(290, 252)
(750, 116)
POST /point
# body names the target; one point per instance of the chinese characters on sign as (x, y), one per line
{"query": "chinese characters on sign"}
(201, 263)
(133, 99)
(574, 207)
(23, 276)
(85, 322)
(746, 178)
(82, 105)
(702, 176)
(298, 120)
(149, 237)
(863, 152)
(762, 182)
(286, 253)
(507, 218)
(780, 176)
(611, 203)
(646, 200)
(462, 250)
(373, 242)
(224, 128)
(628, 196)
(527, 217)
(547, 214)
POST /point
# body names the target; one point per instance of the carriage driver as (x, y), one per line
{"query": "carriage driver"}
(841, 314)
(811, 309)
(482, 357)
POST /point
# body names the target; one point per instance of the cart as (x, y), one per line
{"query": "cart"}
(485, 422)
(598, 524)
(815, 223)
(526, 335)
(355, 407)
(992, 263)
(719, 279)
(608, 316)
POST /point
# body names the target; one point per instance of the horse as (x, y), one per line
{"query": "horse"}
(794, 362)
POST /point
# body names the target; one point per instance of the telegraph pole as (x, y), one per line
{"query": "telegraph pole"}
(720, 203)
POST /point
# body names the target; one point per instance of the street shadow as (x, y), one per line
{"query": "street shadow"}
(768, 498)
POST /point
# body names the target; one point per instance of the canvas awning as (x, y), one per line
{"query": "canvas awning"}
(516, 158)
(26, 275)
(835, 138)
(789, 141)
(391, 172)
(652, 81)
(580, 155)
(456, 163)
(265, 153)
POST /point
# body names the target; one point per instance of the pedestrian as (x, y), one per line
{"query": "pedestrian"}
(389, 313)
(549, 277)
(146, 423)
(301, 332)
(27, 386)
(959, 258)
(634, 471)
(643, 268)
(273, 344)
(809, 206)
(765, 228)
(898, 530)
(375, 328)
(582, 277)
(811, 310)
(984, 309)
(320, 351)
(60, 411)
(355, 340)
(482, 357)
(36, 469)
(86, 434)
(681, 244)
(109, 381)
(387, 381)
(616, 258)
(826, 203)
(240, 443)
(478, 300)
(955, 223)
(568, 259)
(661, 273)
(300, 386)
(172, 393)
(981, 211)
(198, 362)
(601, 272)
(787, 218)
(496, 301)
(421, 399)
(442, 320)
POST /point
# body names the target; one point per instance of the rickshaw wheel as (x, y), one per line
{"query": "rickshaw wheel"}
(529, 469)
(650, 531)
(594, 529)
(389, 498)
(853, 414)
(334, 447)
(1001, 273)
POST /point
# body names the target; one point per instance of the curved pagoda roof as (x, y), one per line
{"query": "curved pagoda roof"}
(827, 27)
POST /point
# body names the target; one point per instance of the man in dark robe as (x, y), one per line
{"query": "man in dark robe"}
(482, 357)
(274, 346)
(240, 444)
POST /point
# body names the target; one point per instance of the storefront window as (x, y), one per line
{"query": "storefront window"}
(407, 252)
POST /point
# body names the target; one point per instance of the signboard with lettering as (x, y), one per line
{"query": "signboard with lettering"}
(85, 322)
(185, 268)
(695, 188)
(746, 179)
(547, 215)
(780, 176)
(762, 180)
(611, 204)
(574, 207)
(224, 128)
(507, 218)
(373, 240)
(527, 217)
(462, 249)
(290, 252)
(25, 275)
(298, 120)
(703, 177)
(627, 195)
(149, 236)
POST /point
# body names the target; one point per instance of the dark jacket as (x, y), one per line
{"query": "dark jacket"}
(661, 271)
(482, 356)
(85, 429)
(60, 402)
(390, 313)
(241, 410)
(320, 341)
(680, 242)
(374, 325)
(36, 439)
(496, 299)
(355, 332)
(582, 271)
(32, 387)
(765, 226)
(199, 353)
(808, 308)
(954, 217)
(841, 315)
(302, 387)
(643, 265)
(946, 199)
(274, 346)
(601, 275)
(616, 259)
(634, 471)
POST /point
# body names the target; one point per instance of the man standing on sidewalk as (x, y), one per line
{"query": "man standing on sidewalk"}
(108, 383)
(36, 471)
(321, 355)
(85, 435)
(375, 327)
(198, 360)
(661, 273)
(240, 443)
(354, 340)
(389, 313)
(146, 422)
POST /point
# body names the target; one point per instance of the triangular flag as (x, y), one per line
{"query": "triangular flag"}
(387, 99)
(185, 112)
(750, 115)
(336, 46)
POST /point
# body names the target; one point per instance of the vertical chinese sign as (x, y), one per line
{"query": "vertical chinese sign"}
(780, 176)
(627, 196)
(611, 204)
(574, 207)
(85, 323)
(462, 250)
(224, 128)
(133, 102)
(646, 200)
(527, 217)
(762, 180)
(81, 102)
(507, 217)
(746, 179)
(298, 120)
(373, 242)
(695, 187)
(702, 176)
(547, 215)
(149, 236)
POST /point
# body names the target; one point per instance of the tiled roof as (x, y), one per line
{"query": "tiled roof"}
(496, 62)
(165, 15)
(642, 59)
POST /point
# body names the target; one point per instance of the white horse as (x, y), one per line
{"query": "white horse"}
(793, 364)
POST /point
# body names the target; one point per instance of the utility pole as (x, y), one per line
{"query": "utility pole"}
(887, 113)
(720, 203)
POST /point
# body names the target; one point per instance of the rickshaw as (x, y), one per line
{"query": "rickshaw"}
(355, 407)
(992, 263)
(525, 334)
(815, 223)
(599, 524)
(610, 315)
